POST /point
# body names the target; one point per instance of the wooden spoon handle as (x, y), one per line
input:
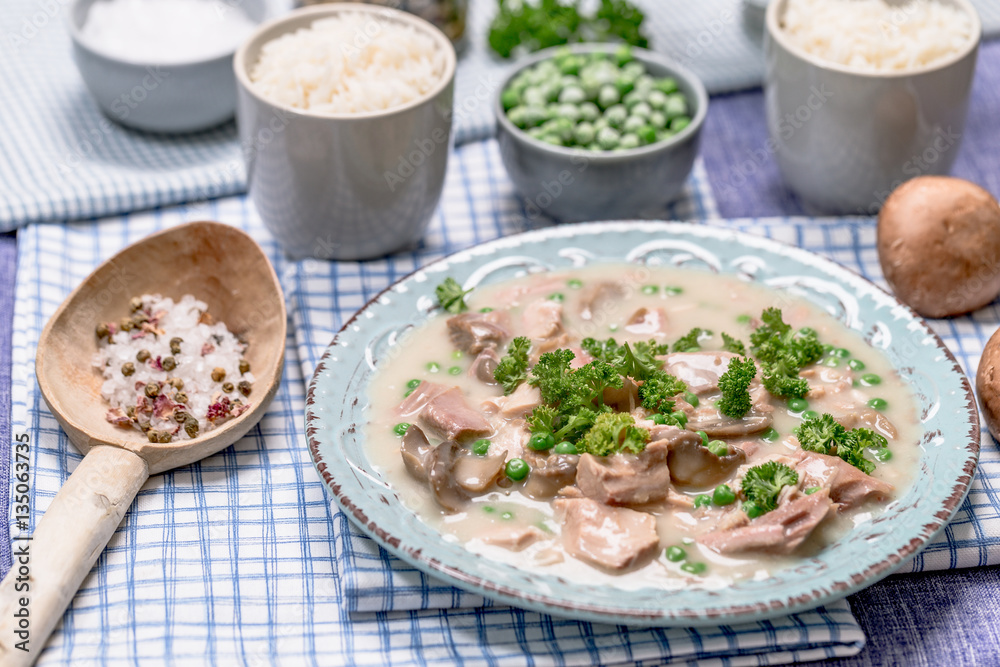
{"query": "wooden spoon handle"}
(63, 549)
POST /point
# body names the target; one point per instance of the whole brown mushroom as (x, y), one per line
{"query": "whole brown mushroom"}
(988, 383)
(939, 245)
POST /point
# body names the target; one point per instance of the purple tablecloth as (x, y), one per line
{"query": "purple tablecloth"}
(950, 618)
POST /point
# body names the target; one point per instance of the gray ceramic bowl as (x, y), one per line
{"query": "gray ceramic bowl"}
(344, 186)
(573, 185)
(845, 139)
(174, 98)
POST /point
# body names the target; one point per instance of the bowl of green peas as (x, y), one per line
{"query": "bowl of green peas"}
(599, 131)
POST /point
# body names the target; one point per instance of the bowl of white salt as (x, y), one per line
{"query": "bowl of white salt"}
(162, 65)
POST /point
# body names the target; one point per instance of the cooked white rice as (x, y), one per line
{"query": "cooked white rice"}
(872, 35)
(350, 63)
(204, 348)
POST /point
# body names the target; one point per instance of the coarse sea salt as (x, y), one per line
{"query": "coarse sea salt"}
(205, 348)
(165, 32)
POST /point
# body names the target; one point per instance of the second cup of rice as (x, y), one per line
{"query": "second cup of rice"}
(862, 95)
(344, 116)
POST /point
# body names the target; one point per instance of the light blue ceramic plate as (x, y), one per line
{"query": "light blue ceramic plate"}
(335, 418)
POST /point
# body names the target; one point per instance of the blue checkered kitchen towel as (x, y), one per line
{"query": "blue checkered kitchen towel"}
(61, 159)
(240, 559)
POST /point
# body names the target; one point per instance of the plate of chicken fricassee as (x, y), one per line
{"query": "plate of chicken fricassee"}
(644, 423)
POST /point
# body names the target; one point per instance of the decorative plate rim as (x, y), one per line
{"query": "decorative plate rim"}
(715, 615)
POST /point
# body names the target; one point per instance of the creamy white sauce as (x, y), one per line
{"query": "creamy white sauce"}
(705, 300)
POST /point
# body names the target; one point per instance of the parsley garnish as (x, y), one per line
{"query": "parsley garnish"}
(513, 367)
(735, 383)
(451, 296)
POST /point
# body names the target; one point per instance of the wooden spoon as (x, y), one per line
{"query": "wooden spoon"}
(219, 265)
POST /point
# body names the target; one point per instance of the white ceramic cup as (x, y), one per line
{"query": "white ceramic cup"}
(845, 139)
(344, 186)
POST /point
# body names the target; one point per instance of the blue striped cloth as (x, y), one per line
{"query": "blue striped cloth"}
(61, 159)
(240, 558)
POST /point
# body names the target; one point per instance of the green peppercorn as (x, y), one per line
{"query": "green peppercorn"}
(244, 366)
(142, 355)
(103, 331)
(481, 447)
(139, 319)
(168, 363)
(218, 374)
(181, 416)
(125, 324)
(128, 368)
(244, 387)
(135, 303)
(176, 383)
(153, 389)
(180, 397)
(401, 428)
(159, 436)
(191, 427)
(676, 554)
(228, 387)
(175, 345)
